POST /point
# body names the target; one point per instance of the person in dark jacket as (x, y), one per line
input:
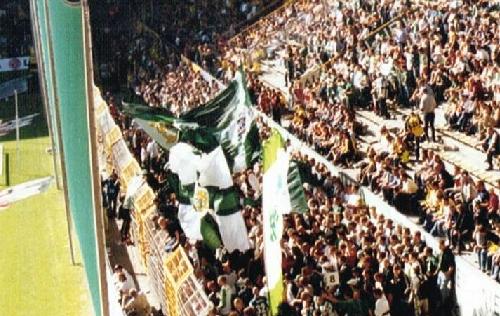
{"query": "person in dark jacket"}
(491, 146)
(462, 227)
(124, 215)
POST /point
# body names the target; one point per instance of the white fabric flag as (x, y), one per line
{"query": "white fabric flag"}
(275, 202)
(184, 162)
(190, 220)
(132, 188)
(24, 190)
(233, 232)
(277, 184)
(214, 170)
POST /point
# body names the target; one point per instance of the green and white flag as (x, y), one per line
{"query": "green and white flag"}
(227, 121)
(210, 187)
(275, 202)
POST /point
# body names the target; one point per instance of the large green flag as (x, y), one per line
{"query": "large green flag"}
(295, 189)
(227, 120)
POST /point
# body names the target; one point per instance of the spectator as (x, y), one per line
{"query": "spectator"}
(427, 107)
(137, 304)
(224, 296)
(491, 146)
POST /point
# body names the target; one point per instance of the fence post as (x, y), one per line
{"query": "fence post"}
(7, 171)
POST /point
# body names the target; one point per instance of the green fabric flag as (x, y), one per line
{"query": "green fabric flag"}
(222, 201)
(148, 113)
(295, 189)
(210, 232)
(227, 120)
(165, 135)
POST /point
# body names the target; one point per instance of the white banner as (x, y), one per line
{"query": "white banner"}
(23, 191)
(272, 213)
(14, 63)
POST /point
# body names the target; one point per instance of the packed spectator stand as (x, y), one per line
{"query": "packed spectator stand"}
(15, 38)
(357, 84)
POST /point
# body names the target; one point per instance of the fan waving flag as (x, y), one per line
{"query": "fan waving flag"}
(275, 202)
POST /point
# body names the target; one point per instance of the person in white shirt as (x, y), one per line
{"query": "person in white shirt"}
(427, 107)
(225, 294)
(118, 269)
(152, 150)
(124, 285)
(381, 304)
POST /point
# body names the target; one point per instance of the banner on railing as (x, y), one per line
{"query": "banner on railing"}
(184, 293)
(477, 294)
(185, 296)
(14, 63)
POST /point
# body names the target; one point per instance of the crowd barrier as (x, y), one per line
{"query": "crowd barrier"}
(170, 273)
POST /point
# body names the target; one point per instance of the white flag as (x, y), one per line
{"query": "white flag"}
(214, 170)
(184, 162)
(233, 232)
(274, 204)
(190, 220)
(24, 190)
(277, 184)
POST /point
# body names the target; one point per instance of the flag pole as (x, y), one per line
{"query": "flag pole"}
(17, 125)
(44, 90)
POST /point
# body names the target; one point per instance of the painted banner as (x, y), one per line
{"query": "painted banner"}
(9, 126)
(14, 63)
(275, 165)
(477, 294)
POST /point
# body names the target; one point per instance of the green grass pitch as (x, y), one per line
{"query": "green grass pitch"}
(36, 274)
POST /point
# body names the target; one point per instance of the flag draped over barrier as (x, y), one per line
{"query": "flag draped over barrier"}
(275, 202)
(24, 190)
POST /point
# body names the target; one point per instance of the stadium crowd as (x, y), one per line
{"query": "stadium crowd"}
(15, 39)
(339, 258)
(343, 257)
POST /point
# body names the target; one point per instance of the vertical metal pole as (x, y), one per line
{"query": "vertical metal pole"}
(17, 125)
(43, 88)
